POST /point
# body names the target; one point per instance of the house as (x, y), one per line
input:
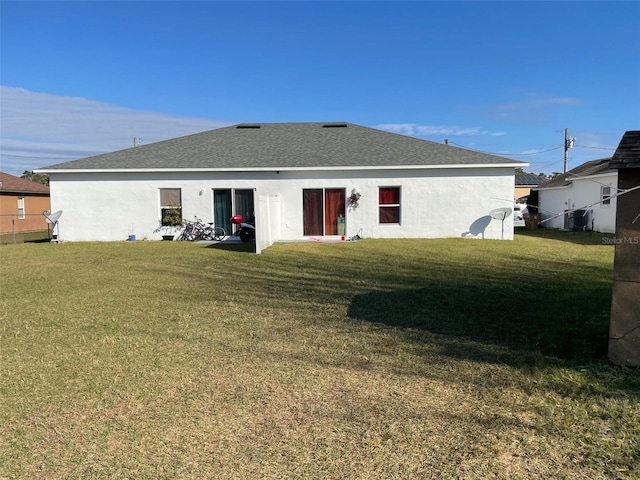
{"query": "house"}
(21, 205)
(317, 181)
(624, 329)
(582, 198)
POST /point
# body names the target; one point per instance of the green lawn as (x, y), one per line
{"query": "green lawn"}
(39, 236)
(373, 359)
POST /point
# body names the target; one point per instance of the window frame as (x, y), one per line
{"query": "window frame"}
(331, 200)
(389, 206)
(605, 195)
(21, 208)
(169, 204)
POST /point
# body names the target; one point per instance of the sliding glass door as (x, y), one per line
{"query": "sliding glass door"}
(222, 209)
(228, 202)
(243, 204)
(321, 209)
(312, 211)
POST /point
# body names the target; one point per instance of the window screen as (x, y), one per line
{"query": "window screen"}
(170, 197)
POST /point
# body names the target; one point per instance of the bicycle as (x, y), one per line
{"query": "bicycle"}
(197, 230)
(211, 232)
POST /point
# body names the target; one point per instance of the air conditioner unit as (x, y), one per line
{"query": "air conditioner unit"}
(582, 219)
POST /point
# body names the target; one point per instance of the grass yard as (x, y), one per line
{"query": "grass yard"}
(408, 359)
(39, 236)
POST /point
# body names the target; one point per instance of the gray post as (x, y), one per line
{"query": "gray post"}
(624, 329)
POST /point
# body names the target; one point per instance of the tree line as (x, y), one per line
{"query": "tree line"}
(35, 177)
(520, 171)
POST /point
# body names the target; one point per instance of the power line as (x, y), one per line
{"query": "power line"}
(597, 148)
(530, 153)
(548, 164)
(495, 153)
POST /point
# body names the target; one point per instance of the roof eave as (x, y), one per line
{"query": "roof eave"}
(559, 187)
(277, 169)
(31, 193)
(596, 175)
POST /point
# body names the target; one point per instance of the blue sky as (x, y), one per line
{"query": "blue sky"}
(81, 78)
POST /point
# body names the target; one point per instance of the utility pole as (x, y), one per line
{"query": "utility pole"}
(568, 143)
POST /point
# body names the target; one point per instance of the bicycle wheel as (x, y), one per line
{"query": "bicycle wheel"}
(184, 233)
(218, 233)
(207, 234)
(189, 235)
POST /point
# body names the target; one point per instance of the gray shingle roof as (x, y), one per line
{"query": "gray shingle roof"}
(592, 167)
(627, 154)
(280, 146)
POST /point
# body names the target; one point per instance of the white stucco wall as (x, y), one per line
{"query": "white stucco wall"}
(435, 203)
(582, 192)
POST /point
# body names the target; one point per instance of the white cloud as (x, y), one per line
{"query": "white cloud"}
(530, 151)
(40, 129)
(415, 130)
(529, 108)
(540, 102)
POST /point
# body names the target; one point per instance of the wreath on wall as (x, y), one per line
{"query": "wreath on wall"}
(354, 198)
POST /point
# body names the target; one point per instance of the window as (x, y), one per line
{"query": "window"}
(170, 206)
(21, 214)
(605, 195)
(389, 204)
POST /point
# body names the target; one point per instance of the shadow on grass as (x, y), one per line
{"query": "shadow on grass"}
(249, 247)
(484, 324)
(573, 327)
(577, 237)
(39, 240)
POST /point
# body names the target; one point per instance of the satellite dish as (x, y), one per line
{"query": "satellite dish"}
(53, 217)
(500, 213)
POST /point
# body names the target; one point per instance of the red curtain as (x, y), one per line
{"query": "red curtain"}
(333, 208)
(389, 196)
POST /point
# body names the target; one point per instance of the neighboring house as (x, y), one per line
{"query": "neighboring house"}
(580, 198)
(524, 184)
(624, 330)
(296, 178)
(21, 205)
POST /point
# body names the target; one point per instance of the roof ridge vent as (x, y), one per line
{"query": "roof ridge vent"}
(247, 125)
(334, 125)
